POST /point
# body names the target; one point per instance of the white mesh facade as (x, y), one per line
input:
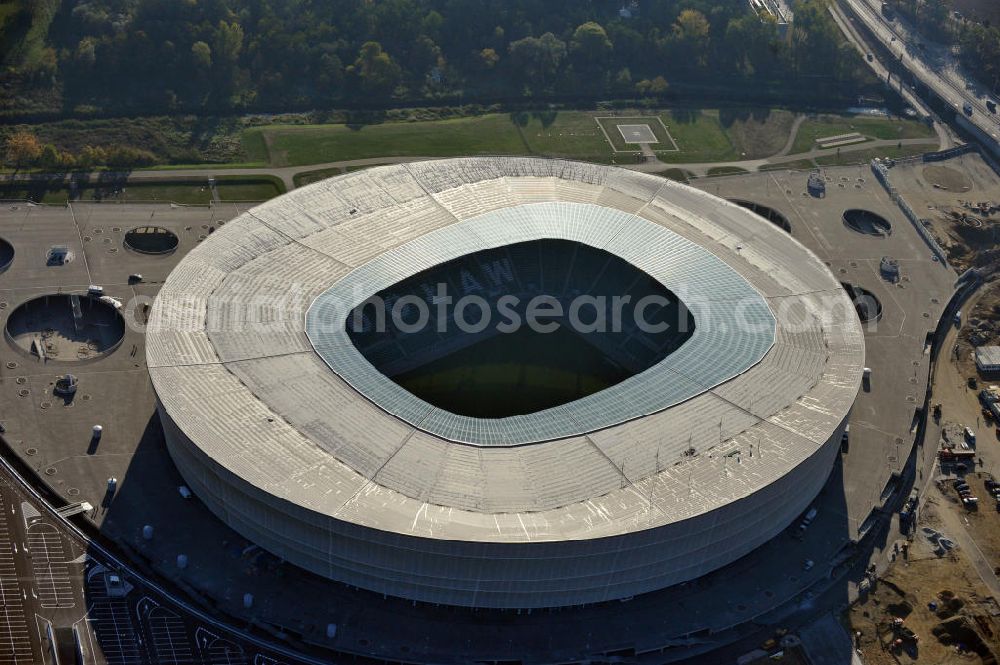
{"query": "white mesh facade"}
(285, 451)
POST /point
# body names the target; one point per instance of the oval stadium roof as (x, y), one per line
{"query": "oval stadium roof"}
(240, 352)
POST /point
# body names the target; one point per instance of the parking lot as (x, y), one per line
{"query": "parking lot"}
(15, 641)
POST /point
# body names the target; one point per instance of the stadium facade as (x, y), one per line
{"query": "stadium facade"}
(286, 430)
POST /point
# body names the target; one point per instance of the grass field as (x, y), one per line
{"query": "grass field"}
(297, 145)
(610, 126)
(570, 134)
(680, 175)
(726, 170)
(309, 177)
(182, 192)
(254, 147)
(240, 188)
(872, 127)
(797, 165)
(757, 133)
(525, 372)
(701, 136)
(39, 193)
(865, 156)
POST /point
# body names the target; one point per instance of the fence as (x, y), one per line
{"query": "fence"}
(882, 175)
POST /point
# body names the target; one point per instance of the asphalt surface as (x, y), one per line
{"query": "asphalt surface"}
(960, 405)
(53, 578)
(142, 630)
(932, 64)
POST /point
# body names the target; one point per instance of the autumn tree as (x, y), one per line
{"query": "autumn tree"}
(23, 148)
(690, 31)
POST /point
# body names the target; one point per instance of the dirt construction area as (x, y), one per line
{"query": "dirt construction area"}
(959, 201)
(930, 607)
(982, 327)
(947, 178)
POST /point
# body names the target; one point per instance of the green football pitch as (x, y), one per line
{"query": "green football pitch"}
(513, 374)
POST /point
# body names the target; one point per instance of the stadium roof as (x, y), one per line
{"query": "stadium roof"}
(711, 290)
(231, 360)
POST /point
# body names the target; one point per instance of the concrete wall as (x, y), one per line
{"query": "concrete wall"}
(501, 575)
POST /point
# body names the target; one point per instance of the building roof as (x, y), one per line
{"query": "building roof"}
(988, 356)
(231, 359)
(713, 355)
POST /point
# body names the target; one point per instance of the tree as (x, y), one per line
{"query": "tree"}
(86, 52)
(538, 57)
(654, 88)
(202, 54)
(378, 73)
(691, 31)
(590, 47)
(623, 79)
(49, 156)
(228, 43)
(487, 59)
(23, 148)
(424, 55)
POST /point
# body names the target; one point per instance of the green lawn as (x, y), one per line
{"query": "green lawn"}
(183, 192)
(757, 133)
(871, 127)
(59, 192)
(865, 156)
(39, 193)
(296, 145)
(680, 175)
(610, 126)
(570, 134)
(241, 188)
(797, 165)
(726, 170)
(360, 167)
(701, 136)
(254, 147)
(309, 177)
(189, 193)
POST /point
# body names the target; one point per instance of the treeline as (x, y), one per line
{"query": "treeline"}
(172, 55)
(23, 149)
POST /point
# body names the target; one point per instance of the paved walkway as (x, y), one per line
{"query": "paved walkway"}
(702, 168)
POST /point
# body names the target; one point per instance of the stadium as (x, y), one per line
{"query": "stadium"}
(478, 466)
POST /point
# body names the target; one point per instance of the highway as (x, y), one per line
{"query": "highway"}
(933, 65)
